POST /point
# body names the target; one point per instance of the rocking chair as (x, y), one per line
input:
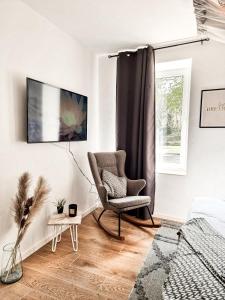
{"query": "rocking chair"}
(114, 162)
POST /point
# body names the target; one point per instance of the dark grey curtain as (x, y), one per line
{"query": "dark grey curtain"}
(135, 118)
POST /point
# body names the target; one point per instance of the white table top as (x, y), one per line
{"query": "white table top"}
(63, 219)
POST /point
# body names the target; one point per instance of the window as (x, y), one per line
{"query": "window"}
(172, 111)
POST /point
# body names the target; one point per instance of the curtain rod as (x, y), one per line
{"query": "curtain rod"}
(169, 46)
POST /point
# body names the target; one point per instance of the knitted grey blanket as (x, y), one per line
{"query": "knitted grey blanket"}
(198, 269)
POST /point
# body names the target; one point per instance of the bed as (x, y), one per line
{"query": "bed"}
(212, 210)
(198, 269)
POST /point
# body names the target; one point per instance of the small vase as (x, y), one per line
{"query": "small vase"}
(11, 268)
(60, 209)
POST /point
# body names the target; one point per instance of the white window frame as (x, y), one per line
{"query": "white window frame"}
(167, 69)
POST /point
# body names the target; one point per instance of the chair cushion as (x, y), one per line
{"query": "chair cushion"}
(130, 201)
(115, 186)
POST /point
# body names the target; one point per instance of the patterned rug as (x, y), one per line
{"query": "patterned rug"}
(155, 270)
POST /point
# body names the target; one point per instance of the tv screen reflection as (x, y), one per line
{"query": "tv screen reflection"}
(55, 114)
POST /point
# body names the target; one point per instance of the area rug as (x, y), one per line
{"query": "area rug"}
(148, 285)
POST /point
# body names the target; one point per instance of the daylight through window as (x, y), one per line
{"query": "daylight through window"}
(172, 110)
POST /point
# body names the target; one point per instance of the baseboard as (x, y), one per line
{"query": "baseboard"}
(89, 210)
(47, 239)
(170, 218)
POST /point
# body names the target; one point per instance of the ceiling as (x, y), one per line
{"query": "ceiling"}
(107, 26)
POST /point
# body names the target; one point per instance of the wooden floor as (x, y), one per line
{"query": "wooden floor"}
(103, 268)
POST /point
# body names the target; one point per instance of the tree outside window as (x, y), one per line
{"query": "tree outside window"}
(171, 110)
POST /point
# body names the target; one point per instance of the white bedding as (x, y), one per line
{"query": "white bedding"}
(212, 209)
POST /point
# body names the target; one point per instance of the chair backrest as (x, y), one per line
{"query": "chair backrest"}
(113, 162)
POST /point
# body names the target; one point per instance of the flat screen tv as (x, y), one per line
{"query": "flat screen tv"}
(54, 114)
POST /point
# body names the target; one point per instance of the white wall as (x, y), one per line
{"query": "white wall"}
(30, 46)
(206, 150)
(107, 103)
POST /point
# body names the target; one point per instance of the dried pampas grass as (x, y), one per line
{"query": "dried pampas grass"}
(25, 207)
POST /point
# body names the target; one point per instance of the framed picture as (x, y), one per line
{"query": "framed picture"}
(212, 110)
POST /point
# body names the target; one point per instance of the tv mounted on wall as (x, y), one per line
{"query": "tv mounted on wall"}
(54, 114)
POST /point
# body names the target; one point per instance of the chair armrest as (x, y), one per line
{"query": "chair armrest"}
(103, 194)
(135, 186)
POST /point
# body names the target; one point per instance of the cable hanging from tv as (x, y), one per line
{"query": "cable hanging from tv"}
(92, 185)
(81, 171)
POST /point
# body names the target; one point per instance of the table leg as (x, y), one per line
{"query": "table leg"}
(57, 237)
(74, 237)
